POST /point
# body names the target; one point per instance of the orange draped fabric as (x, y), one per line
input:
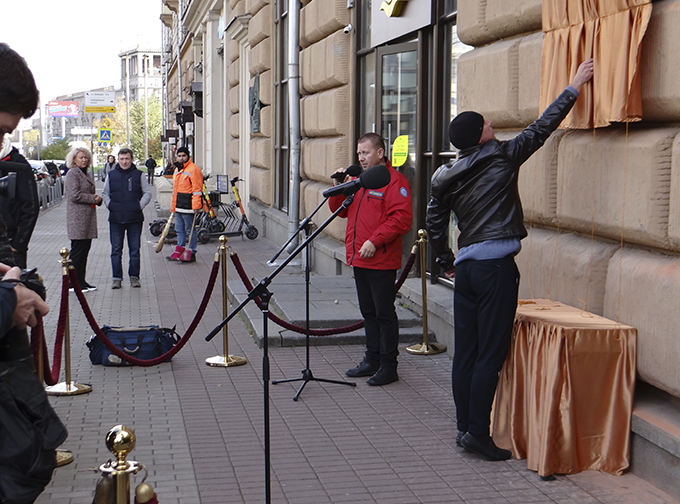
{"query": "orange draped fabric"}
(565, 395)
(610, 31)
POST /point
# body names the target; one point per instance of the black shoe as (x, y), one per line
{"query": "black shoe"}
(459, 436)
(363, 369)
(486, 449)
(383, 377)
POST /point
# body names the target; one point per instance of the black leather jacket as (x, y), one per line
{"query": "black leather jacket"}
(481, 187)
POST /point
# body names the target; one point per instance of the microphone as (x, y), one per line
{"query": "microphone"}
(373, 178)
(352, 171)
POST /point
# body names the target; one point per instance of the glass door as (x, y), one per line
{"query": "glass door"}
(398, 78)
(396, 113)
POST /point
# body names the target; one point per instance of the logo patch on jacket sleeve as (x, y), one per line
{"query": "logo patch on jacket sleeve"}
(404, 192)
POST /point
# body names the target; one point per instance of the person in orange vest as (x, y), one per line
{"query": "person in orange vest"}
(186, 203)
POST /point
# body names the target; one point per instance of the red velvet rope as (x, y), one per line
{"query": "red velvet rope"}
(167, 355)
(38, 343)
(314, 332)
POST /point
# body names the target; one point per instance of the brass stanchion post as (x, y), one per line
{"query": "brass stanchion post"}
(424, 348)
(225, 360)
(68, 387)
(114, 485)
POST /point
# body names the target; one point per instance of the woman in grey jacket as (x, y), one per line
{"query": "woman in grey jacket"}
(81, 211)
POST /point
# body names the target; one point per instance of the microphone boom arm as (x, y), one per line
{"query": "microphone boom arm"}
(261, 287)
(300, 228)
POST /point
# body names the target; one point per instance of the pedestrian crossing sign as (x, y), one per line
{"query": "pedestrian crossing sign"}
(105, 135)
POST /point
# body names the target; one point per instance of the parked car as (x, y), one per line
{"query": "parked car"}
(53, 169)
(40, 171)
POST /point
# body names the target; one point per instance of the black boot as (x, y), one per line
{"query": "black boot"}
(384, 376)
(366, 368)
(486, 448)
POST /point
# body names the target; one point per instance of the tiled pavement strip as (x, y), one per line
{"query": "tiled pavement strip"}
(200, 429)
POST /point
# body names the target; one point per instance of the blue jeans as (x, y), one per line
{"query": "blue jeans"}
(134, 236)
(183, 223)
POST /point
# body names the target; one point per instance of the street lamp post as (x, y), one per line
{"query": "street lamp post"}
(145, 60)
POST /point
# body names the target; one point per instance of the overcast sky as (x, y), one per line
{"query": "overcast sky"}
(73, 45)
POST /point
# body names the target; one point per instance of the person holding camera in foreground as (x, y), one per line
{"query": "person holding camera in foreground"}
(480, 188)
(30, 430)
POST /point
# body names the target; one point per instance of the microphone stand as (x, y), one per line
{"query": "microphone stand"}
(307, 374)
(261, 291)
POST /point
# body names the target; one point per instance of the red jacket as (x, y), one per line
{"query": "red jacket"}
(382, 216)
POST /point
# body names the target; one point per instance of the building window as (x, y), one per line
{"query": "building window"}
(365, 24)
(367, 93)
(450, 6)
(281, 131)
(453, 49)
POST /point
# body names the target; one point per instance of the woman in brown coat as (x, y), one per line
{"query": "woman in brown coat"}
(81, 211)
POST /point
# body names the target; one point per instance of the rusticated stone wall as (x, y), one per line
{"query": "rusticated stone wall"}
(325, 105)
(260, 60)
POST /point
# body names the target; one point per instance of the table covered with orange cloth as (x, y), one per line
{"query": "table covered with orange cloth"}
(565, 394)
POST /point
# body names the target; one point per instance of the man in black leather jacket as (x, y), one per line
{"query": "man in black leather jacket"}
(481, 190)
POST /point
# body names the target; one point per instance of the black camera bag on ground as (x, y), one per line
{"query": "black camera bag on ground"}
(145, 343)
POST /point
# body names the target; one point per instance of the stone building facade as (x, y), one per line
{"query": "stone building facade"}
(602, 206)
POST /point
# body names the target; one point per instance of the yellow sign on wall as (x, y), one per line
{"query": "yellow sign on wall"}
(400, 150)
(392, 8)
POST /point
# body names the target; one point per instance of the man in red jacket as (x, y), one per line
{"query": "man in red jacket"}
(377, 219)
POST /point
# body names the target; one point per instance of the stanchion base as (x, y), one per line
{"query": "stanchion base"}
(222, 361)
(65, 389)
(426, 348)
(64, 457)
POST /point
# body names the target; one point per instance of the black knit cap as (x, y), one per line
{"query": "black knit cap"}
(466, 129)
(184, 150)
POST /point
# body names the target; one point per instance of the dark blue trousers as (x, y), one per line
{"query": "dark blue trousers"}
(375, 290)
(484, 306)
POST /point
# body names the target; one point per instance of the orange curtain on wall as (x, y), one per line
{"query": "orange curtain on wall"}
(610, 31)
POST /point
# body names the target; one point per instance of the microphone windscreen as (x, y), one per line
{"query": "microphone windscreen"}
(354, 170)
(376, 177)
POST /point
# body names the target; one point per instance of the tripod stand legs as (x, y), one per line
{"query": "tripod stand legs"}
(308, 376)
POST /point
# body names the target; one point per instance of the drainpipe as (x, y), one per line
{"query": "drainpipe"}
(294, 119)
(166, 109)
(180, 37)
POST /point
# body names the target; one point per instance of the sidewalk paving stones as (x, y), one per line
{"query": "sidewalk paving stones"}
(200, 428)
